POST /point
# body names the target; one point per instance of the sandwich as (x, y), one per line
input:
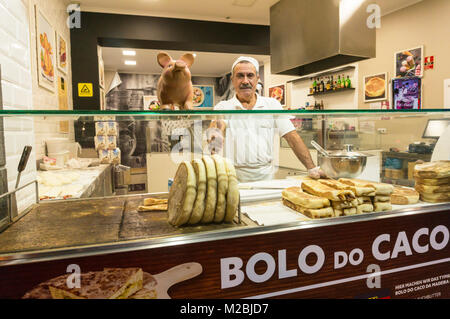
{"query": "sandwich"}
(298, 197)
(364, 208)
(380, 188)
(157, 207)
(111, 283)
(358, 190)
(432, 181)
(381, 198)
(435, 198)
(345, 211)
(314, 213)
(344, 204)
(404, 196)
(382, 206)
(428, 189)
(438, 169)
(364, 200)
(318, 189)
(154, 201)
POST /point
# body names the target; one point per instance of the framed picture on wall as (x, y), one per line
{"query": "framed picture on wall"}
(376, 87)
(407, 93)
(409, 63)
(62, 53)
(203, 96)
(279, 93)
(45, 51)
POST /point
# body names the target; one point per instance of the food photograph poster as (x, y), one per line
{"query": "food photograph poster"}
(375, 87)
(279, 93)
(45, 43)
(409, 63)
(203, 96)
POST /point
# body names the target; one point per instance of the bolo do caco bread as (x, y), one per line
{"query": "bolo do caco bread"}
(203, 191)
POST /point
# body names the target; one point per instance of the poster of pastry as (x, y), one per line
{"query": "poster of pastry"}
(375, 87)
(279, 93)
(45, 44)
(203, 96)
(62, 53)
(409, 63)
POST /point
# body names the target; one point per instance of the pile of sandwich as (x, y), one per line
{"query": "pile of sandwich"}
(203, 191)
(332, 198)
(433, 181)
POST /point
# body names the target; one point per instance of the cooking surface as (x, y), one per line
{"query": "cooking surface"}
(75, 223)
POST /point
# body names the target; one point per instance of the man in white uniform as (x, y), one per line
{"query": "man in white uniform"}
(249, 139)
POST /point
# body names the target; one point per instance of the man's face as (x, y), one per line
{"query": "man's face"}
(245, 80)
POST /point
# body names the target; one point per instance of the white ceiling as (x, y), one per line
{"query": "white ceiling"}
(206, 64)
(235, 11)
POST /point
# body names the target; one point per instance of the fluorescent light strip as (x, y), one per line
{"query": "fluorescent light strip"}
(130, 62)
(129, 52)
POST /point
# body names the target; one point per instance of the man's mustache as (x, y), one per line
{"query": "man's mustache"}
(246, 86)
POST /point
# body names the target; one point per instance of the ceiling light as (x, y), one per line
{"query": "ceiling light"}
(194, 54)
(130, 62)
(129, 52)
(243, 3)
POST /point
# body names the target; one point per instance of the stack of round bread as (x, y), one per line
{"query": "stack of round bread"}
(203, 191)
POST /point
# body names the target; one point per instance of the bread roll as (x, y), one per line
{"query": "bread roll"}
(211, 189)
(404, 196)
(199, 204)
(233, 191)
(222, 188)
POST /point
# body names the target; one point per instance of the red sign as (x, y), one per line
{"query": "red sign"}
(429, 62)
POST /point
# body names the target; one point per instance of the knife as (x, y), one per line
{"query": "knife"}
(21, 167)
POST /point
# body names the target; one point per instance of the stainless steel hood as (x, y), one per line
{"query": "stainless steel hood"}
(308, 36)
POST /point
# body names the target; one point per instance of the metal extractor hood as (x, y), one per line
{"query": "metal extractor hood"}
(308, 36)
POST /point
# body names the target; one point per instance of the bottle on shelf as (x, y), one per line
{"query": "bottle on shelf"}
(338, 85)
(343, 82)
(312, 87)
(332, 83)
(328, 84)
(348, 82)
(322, 85)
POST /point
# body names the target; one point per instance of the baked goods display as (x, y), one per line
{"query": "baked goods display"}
(333, 198)
(404, 196)
(432, 181)
(203, 191)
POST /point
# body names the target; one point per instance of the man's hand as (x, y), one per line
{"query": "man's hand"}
(214, 137)
(316, 173)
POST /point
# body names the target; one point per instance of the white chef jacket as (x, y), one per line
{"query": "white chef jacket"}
(249, 139)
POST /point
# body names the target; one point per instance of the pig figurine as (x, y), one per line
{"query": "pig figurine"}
(175, 85)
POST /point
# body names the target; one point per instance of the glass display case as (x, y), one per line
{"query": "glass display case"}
(62, 220)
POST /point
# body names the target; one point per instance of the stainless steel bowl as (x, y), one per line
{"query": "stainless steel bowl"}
(341, 164)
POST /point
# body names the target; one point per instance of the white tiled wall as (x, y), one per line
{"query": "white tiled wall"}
(17, 93)
(20, 87)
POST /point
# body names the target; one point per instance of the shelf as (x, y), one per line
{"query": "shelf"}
(322, 73)
(330, 92)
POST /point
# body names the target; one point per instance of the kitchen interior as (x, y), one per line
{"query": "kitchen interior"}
(128, 73)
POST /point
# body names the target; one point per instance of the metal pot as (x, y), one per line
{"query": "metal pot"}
(341, 164)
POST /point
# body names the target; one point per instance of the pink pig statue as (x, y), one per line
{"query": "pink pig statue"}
(175, 85)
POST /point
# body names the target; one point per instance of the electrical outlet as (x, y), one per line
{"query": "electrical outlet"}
(382, 130)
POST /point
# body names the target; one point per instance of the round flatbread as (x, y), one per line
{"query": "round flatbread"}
(211, 190)
(233, 191)
(222, 188)
(182, 195)
(375, 87)
(199, 204)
